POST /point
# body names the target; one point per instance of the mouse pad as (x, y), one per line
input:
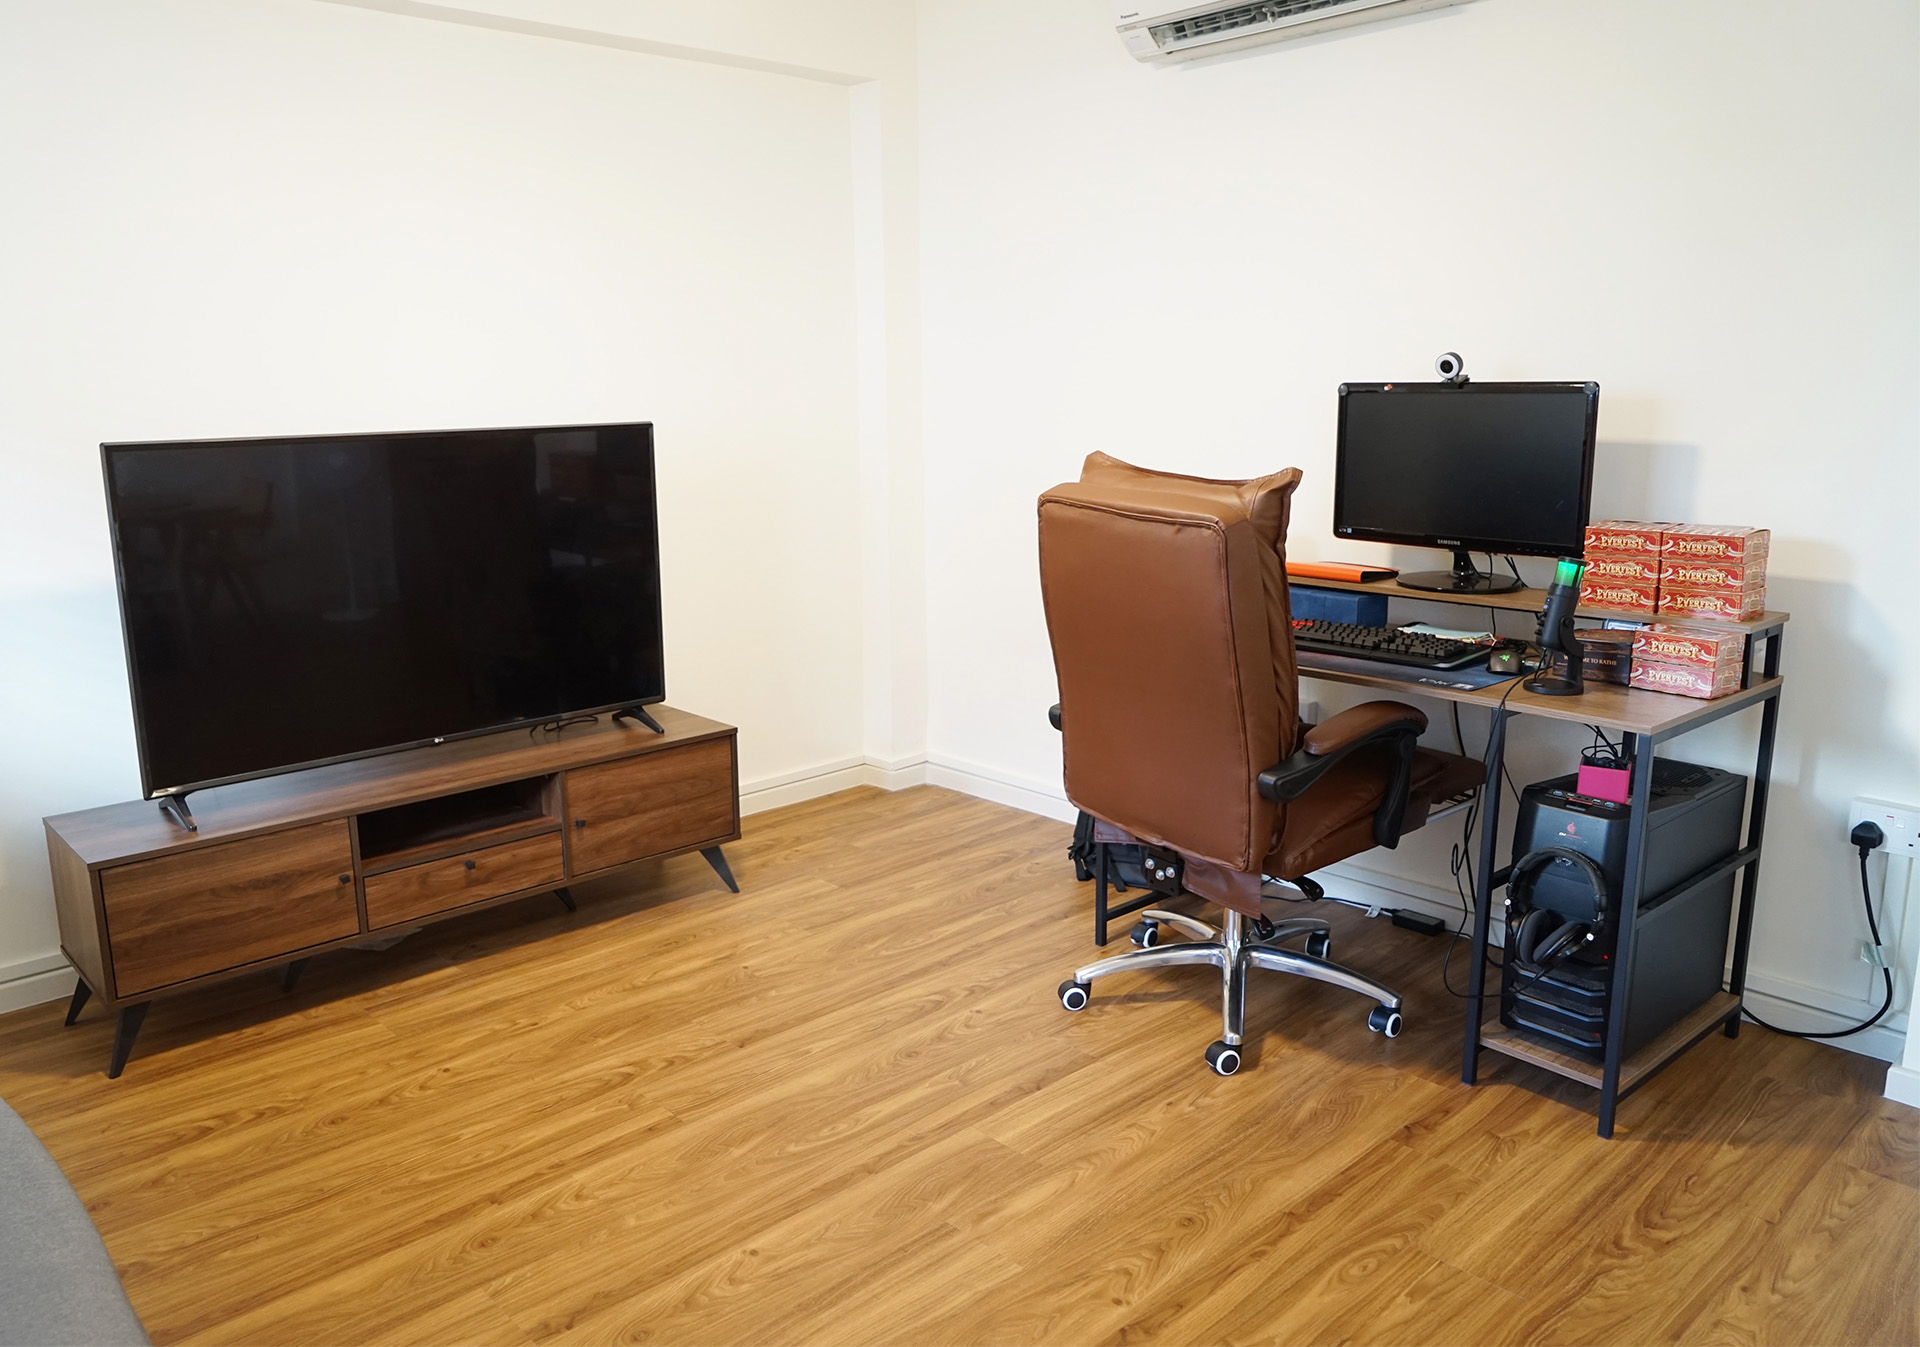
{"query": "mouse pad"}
(1473, 676)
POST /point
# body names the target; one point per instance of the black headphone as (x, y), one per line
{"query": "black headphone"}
(1545, 937)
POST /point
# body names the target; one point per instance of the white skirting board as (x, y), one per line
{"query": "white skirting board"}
(31, 982)
(1001, 787)
(48, 978)
(829, 778)
(955, 774)
(1788, 1004)
(1783, 1002)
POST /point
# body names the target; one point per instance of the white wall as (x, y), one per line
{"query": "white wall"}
(868, 45)
(1710, 208)
(228, 217)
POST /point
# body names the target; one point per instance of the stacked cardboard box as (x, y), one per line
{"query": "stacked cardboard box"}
(1713, 572)
(1708, 572)
(1623, 566)
(1692, 661)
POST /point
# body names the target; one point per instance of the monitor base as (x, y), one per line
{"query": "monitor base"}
(1544, 684)
(1454, 582)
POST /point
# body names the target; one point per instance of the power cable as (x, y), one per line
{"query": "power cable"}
(1859, 839)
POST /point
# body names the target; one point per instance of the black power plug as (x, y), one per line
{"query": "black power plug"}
(1866, 836)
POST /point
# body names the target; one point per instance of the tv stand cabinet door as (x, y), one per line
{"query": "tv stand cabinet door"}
(217, 907)
(669, 800)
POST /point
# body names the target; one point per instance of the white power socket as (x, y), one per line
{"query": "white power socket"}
(1900, 823)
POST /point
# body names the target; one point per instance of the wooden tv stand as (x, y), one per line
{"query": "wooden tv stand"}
(283, 868)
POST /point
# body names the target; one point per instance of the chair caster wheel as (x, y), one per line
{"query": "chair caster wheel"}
(1319, 945)
(1073, 995)
(1384, 1020)
(1223, 1057)
(1145, 934)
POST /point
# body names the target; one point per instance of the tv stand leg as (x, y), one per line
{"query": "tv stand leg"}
(124, 1033)
(638, 713)
(566, 897)
(292, 974)
(81, 993)
(175, 808)
(718, 860)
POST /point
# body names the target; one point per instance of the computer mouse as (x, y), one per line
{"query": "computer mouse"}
(1504, 661)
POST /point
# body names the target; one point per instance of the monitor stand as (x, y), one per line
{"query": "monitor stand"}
(1462, 579)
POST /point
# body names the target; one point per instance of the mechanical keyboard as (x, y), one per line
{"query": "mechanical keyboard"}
(1387, 645)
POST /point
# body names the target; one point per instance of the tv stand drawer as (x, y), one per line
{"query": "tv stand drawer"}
(454, 881)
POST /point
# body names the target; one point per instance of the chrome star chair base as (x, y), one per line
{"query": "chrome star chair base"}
(1229, 950)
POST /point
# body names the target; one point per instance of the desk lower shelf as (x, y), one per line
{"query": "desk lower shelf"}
(1682, 1035)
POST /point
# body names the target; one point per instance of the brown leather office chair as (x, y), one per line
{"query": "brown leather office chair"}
(1166, 602)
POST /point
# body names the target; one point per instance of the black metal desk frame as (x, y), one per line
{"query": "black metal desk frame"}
(1617, 1076)
(1747, 859)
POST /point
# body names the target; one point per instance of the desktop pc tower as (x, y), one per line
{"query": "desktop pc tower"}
(1568, 996)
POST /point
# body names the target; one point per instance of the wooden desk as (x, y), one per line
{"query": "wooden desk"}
(1646, 720)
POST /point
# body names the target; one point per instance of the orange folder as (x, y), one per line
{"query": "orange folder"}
(1338, 570)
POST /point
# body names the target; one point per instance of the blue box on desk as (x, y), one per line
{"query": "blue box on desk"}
(1338, 605)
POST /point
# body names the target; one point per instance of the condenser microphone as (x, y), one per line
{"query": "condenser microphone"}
(1556, 634)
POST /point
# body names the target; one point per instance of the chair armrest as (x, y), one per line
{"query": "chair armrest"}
(1053, 715)
(1331, 740)
(1357, 724)
(1353, 729)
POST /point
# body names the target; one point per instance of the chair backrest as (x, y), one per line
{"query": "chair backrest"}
(1166, 602)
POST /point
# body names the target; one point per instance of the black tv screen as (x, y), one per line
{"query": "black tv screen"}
(1496, 467)
(289, 602)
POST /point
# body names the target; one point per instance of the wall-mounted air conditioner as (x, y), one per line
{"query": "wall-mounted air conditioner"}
(1166, 32)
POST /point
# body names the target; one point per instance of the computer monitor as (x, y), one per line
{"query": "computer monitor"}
(1472, 467)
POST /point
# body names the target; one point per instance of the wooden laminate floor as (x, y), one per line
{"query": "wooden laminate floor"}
(844, 1107)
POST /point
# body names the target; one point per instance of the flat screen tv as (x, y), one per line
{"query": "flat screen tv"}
(293, 602)
(1493, 467)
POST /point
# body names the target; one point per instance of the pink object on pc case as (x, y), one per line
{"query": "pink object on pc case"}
(1605, 783)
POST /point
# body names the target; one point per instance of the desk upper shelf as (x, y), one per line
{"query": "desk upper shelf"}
(1522, 601)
